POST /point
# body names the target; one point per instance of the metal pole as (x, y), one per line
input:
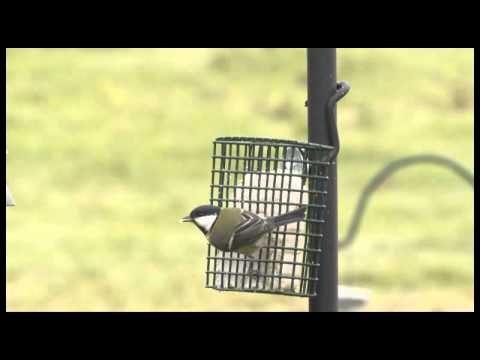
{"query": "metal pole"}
(322, 84)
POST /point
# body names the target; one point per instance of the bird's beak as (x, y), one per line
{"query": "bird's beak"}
(186, 219)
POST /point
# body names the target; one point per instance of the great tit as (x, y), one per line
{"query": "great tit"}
(235, 229)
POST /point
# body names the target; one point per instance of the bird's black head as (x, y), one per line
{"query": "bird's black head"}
(204, 210)
(203, 217)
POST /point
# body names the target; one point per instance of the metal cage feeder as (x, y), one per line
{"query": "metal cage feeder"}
(271, 177)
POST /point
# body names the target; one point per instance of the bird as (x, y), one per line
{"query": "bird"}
(236, 229)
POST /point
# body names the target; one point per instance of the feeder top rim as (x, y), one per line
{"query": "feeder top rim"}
(254, 140)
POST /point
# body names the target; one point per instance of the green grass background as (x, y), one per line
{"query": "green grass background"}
(108, 148)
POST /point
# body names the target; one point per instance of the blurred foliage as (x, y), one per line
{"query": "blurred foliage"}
(110, 147)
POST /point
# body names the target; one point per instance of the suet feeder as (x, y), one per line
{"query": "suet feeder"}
(271, 177)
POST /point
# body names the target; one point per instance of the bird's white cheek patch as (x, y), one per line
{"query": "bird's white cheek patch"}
(206, 222)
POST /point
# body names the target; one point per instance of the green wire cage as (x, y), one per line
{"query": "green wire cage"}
(271, 177)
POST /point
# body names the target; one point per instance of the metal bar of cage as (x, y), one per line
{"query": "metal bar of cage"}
(322, 85)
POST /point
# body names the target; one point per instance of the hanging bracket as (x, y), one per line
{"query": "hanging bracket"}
(342, 89)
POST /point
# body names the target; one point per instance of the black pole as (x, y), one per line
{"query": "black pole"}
(322, 85)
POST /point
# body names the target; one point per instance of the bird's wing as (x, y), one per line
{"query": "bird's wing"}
(248, 231)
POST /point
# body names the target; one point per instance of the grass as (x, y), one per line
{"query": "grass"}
(108, 148)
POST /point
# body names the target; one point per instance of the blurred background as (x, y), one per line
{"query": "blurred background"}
(108, 148)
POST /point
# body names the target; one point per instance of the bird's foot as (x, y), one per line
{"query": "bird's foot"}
(254, 273)
(253, 270)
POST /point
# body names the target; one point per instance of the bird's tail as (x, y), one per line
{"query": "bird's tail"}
(288, 218)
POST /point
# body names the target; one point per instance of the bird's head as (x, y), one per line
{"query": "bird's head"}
(203, 217)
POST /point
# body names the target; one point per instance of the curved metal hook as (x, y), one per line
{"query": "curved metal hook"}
(342, 89)
(387, 171)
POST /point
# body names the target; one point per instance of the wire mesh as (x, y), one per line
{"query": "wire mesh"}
(271, 177)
